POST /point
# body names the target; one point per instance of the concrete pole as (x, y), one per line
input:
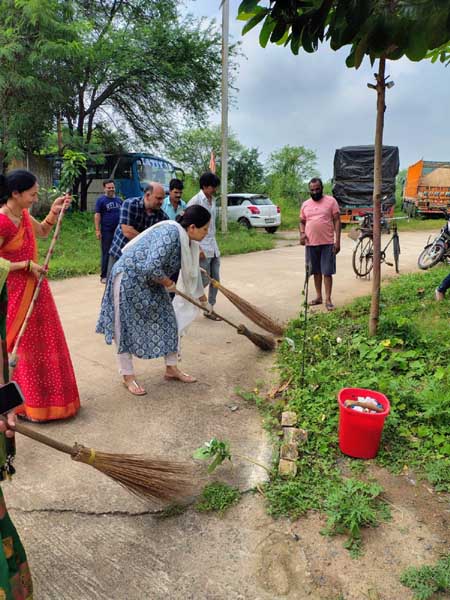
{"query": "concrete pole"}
(224, 158)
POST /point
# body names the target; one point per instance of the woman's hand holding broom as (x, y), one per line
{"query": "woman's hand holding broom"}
(61, 203)
(8, 424)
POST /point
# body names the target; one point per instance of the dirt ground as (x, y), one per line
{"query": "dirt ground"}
(88, 539)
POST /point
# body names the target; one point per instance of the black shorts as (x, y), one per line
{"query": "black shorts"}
(321, 259)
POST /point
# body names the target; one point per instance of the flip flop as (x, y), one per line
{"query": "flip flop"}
(315, 302)
(329, 306)
(130, 385)
(184, 377)
(212, 316)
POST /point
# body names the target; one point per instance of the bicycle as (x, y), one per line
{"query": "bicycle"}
(362, 259)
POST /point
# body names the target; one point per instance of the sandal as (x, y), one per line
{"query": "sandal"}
(180, 376)
(134, 388)
(315, 302)
(329, 306)
(212, 316)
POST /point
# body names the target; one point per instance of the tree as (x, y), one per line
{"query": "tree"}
(378, 29)
(192, 148)
(192, 151)
(28, 91)
(136, 63)
(290, 168)
(245, 171)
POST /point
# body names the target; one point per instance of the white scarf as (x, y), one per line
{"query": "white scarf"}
(190, 281)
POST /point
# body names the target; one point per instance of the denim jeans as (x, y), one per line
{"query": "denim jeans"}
(106, 240)
(212, 267)
(444, 285)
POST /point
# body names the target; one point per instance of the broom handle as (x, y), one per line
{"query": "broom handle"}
(39, 437)
(201, 307)
(211, 280)
(13, 355)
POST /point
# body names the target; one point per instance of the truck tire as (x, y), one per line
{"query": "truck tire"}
(431, 255)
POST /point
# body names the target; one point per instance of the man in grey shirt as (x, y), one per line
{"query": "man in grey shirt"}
(209, 250)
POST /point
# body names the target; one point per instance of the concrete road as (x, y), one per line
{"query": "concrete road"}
(89, 539)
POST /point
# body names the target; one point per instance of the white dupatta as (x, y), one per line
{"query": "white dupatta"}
(190, 280)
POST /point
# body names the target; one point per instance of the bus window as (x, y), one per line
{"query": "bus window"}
(124, 169)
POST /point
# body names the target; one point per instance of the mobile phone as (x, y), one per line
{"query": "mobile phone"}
(10, 397)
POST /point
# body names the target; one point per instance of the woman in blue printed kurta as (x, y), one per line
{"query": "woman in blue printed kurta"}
(136, 309)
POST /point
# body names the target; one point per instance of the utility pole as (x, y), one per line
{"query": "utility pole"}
(224, 159)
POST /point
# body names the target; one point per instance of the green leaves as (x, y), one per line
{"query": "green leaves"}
(215, 449)
(370, 28)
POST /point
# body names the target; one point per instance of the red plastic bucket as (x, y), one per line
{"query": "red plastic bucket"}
(360, 433)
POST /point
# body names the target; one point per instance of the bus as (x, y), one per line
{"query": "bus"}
(131, 172)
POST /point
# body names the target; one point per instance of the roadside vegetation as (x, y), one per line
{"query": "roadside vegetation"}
(407, 361)
(428, 580)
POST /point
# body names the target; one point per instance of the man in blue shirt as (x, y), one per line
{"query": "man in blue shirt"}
(173, 204)
(136, 215)
(106, 219)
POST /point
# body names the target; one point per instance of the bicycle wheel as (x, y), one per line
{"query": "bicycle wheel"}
(396, 247)
(431, 255)
(362, 259)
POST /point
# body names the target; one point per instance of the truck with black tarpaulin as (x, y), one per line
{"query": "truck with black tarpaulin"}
(353, 180)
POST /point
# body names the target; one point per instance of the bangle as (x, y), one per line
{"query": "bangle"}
(48, 222)
(53, 212)
(27, 267)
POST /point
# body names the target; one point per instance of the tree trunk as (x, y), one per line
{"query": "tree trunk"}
(83, 190)
(377, 181)
(59, 135)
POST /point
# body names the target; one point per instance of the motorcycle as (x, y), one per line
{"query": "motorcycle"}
(438, 249)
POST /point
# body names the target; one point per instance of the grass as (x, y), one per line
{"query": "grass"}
(407, 361)
(427, 580)
(77, 251)
(217, 497)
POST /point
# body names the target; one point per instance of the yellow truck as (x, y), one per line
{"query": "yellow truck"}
(427, 188)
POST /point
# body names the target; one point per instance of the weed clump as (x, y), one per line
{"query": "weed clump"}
(218, 497)
(429, 579)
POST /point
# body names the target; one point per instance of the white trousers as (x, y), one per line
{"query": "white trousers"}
(125, 359)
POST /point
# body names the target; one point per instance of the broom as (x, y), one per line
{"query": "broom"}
(13, 354)
(247, 309)
(147, 478)
(264, 342)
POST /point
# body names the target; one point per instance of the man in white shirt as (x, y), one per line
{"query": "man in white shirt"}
(209, 250)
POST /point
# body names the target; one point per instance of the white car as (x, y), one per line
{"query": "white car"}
(254, 210)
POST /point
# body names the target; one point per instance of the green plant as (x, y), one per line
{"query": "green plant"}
(217, 496)
(73, 163)
(215, 449)
(429, 579)
(219, 451)
(438, 474)
(351, 506)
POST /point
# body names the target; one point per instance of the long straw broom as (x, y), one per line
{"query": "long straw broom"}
(264, 342)
(13, 354)
(249, 310)
(148, 478)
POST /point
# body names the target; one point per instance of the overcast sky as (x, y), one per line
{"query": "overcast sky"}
(314, 100)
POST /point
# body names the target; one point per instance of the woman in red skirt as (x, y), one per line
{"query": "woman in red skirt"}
(44, 370)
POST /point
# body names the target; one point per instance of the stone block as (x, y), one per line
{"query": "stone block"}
(294, 435)
(287, 468)
(289, 451)
(288, 419)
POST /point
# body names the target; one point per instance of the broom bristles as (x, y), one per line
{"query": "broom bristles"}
(264, 342)
(148, 478)
(251, 312)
